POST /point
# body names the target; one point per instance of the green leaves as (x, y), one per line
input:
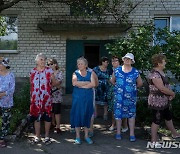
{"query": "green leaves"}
(2, 26)
(141, 43)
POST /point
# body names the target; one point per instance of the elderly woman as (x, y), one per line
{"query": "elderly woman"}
(126, 79)
(160, 96)
(41, 80)
(103, 75)
(56, 95)
(7, 86)
(83, 81)
(115, 64)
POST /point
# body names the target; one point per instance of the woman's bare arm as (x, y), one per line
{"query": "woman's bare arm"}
(93, 83)
(160, 85)
(78, 83)
(139, 81)
(113, 79)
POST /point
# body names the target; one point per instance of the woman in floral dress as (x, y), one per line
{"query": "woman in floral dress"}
(7, 86)
(103, 75)
(41, 81)
(56, 95)
(126, 80)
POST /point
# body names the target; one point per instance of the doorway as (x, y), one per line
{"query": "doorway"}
(91, 53)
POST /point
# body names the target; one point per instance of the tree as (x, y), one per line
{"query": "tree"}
(143, 44)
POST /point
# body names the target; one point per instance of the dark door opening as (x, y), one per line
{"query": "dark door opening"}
(91, 53)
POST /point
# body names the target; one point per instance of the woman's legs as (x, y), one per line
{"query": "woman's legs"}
(91, 125)
(37, 128)
(131, 126)
(58, 120)
(154, 130)
(170, 126)
(105, 112)
(77, 132)
(113, 122)
(118, 125)
(47, 128)
(53, 120)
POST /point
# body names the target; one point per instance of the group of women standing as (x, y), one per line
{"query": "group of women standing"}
(115, 90)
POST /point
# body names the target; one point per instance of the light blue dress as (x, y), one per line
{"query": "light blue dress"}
(82, 103)
(125, 93)
(7, 85)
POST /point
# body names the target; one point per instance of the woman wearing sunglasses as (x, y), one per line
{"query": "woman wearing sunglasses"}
(56, 95)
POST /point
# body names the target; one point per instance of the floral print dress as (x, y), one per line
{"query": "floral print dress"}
(40, 92)
(57, 94)
(102, 89)
(125, 93)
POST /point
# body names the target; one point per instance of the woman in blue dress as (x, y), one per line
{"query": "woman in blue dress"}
(126, 80)
(103, 75)
(82, 101)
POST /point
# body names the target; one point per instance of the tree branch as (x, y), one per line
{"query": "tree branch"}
(8, 5)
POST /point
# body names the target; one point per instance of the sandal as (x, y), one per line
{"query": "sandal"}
(2, 144)
(132, 138)
(88, 140)
(57, 131)
(47, 141)
(90, 134)
(118, 137)
(77, 141)
(36, 140)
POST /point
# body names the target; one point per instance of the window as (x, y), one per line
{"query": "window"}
(8, 42)
(172, 22)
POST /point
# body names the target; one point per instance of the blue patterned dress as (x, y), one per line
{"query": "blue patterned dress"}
(102, 89)
(125, 93)
(82, 103)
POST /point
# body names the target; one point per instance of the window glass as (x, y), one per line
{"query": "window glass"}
(8, 42)
(160, 23)
(175, 23)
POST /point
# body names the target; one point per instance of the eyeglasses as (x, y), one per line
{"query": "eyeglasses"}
(50, 64)
(115, 60)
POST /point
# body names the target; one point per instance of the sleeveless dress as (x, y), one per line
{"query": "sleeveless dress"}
(102, 89)
(82, 103)
(125, 93)
(40, 92)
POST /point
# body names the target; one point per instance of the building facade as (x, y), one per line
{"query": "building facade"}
(51, 29)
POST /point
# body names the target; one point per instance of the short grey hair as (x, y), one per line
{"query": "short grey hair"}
(83, 59)
(40, 55)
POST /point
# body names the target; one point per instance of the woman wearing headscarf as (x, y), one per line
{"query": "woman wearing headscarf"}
(7, 87)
